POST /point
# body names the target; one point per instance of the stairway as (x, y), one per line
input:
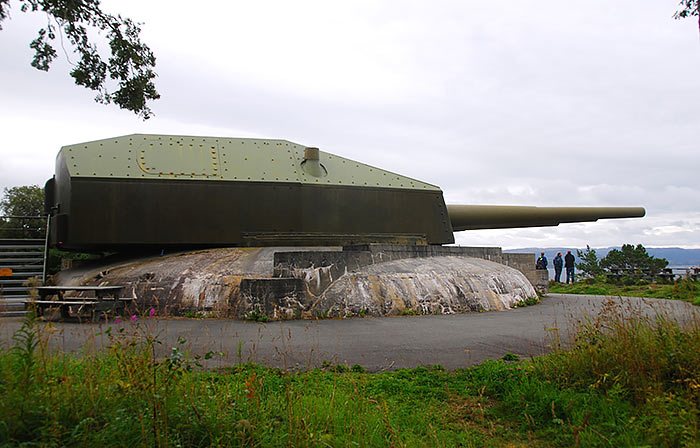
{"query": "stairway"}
(24, 258)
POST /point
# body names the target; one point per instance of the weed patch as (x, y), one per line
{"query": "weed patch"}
(528, 302)
(623, 382)
(257, 316)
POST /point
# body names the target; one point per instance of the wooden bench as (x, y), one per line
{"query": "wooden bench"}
(107, 302)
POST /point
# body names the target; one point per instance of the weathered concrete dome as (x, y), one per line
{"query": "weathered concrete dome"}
(436, 285)
(223, 281)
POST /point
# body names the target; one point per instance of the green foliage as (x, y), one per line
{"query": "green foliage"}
(130, 64)
(26, 340)
(588, 264)
(594, 288)
(611, 351)
(528, 302)
(624, 383)
(510, 357)
(358, 368)
(629, 263)
(684, 289)
(688, 8)
(54, 257)
(27, 200)
(633, 260)
(633, 266)
(688, 290)
(127, 397)
(257, 316)
(339, 368)
(21, 204)
(649, 365)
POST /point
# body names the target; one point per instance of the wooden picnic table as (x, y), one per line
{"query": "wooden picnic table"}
(105, 303)
(664, 274)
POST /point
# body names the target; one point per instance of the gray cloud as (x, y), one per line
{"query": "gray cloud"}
(515, 103)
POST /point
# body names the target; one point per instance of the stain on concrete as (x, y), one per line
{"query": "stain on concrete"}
(436, 285)
(330, 282)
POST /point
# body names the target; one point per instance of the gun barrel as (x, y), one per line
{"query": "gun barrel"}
(473, 217)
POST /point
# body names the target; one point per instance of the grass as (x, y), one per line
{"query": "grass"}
(257, 316)
(527, 302)
(622, 382)
(683, 289)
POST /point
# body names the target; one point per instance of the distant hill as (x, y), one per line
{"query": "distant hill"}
(676, 256)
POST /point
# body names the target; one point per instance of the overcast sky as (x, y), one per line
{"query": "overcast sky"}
(548, 103)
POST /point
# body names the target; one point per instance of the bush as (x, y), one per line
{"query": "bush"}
(588, 264)
(688, 290)
(633, 261)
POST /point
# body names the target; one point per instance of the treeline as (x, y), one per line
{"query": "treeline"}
(628, 261)
(21, 212)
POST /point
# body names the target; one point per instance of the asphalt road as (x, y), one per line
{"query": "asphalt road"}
(452, 341)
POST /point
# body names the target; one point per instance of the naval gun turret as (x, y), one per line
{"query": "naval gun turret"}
(164, 191)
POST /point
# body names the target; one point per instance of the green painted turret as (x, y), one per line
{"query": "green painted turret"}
(151, 157)
(184, 191)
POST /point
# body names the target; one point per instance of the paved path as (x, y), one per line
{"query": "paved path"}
(376, 343)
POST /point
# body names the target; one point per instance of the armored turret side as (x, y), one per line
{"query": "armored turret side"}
(162, 191)
(186, 191)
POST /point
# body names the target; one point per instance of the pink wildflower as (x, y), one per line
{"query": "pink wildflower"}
(151, 312)
(133, 318)
(117, 320)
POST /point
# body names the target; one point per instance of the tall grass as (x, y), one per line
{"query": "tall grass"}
(649, 363)
(644, 356)
(125, 396)
(623, 382)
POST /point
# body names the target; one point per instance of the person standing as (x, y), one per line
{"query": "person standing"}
(558, 264)
(541, 262)
(569, 265)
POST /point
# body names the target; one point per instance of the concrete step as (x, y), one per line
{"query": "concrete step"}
(21, 241)
(10, 289)
(27, 253)
(8, 260)
(13, 281)
(21, 246)
(12, 313)
(24, 274)
(18, 306)
(14, 300)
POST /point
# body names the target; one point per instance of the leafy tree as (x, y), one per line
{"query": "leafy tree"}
(588, 263)
(633, 260)
(130, 63)
(689, 8)
(23, 201)
(19, 203)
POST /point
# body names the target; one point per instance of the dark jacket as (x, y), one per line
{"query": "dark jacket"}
(558, 262)
(541, 262)
(569, 261)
